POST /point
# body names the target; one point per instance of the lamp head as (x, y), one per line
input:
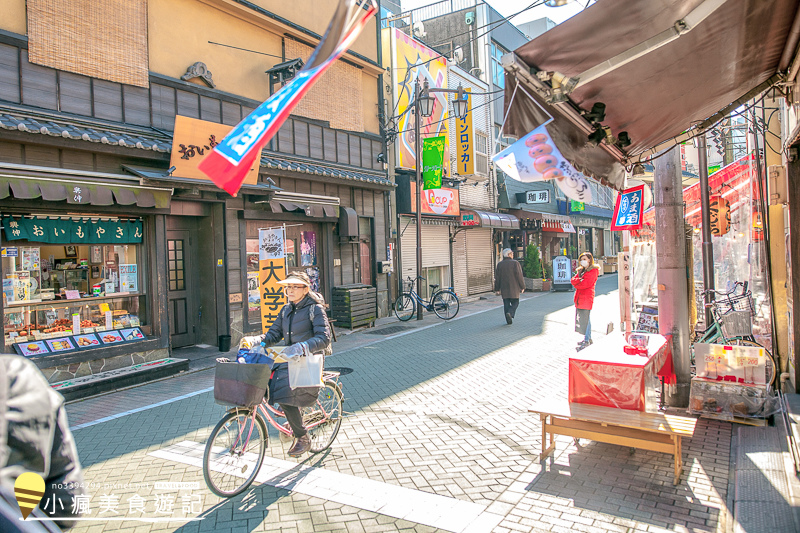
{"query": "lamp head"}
(597, 114)
(623, 141)
(461, 103)
(426, 101)
(638, 169)
(597, 136)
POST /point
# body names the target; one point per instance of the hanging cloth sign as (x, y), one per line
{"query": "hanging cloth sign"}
(60, 231)
(271, 270)
(535, 158)
(720, 214)
(231, 160)
(432, 160)
(628, 210)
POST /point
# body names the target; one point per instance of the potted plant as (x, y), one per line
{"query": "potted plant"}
(548, 277)
(532, 269)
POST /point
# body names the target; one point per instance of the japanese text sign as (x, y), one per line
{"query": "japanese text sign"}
(442, 201)
(537, 197)
(61, 231)
(271, 270)
(465, 141)
(432, 159)
(535, 158)
(628, 211)
(561, 270)
(191, 144)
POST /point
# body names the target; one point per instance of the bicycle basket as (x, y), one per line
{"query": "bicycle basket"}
(736, 324)
(240, 385)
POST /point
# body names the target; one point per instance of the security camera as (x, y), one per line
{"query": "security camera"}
(469, 18)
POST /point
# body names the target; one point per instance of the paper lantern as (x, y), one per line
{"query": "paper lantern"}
(720, 210)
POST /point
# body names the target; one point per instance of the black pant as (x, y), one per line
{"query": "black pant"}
(295, 420)
(510, 306)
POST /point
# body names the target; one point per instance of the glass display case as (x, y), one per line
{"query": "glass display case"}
(73, 279)
(27, 320)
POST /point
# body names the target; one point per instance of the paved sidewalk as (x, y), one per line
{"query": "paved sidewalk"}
(438, 412)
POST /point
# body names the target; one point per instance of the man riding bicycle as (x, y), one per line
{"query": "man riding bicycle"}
(301, 321)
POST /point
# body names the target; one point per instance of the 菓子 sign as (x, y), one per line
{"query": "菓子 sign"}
(535, 158)
(628, 211)
(271, 270)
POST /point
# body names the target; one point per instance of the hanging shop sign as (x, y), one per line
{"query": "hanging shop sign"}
(193, 141)
(60, 231)
(576, 207)
(628, 210)
(432, 159)
(535, 158)
(271, 270)
(720, 213)
(534, 197)
(465, 141)
(442, 201)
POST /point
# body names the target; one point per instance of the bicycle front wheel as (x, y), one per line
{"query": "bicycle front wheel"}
(324, 418)
(445, 304)
(404, 307)
(234, 453)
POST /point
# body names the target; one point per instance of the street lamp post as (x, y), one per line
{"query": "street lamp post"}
(423, 107)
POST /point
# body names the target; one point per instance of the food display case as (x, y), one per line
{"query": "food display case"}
(73, 279)
(35, 321)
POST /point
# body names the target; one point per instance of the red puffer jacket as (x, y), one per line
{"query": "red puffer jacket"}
(584, 287)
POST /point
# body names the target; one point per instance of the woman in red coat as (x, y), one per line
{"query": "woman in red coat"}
(584, 281)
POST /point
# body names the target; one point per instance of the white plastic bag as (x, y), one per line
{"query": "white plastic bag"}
(306, 370)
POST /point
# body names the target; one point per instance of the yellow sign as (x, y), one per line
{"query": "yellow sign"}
(28, 489)
(411, 61)
(192, 142)
(465, 142)
(271, 270)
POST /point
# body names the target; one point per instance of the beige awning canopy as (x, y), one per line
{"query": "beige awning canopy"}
(660, 67)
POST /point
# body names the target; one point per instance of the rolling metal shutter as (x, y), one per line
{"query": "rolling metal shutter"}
(460, 263)
(435, 246)
(480, 275)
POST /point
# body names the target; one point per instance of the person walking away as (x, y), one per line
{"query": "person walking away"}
(301, 321)
(35, 437)
(509, 283)
(584, 281)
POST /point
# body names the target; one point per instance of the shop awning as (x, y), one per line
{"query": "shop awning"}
(486, 219)
(313, 205)
(157, 176)
(655, 82)
(82, 192)
(557, 223)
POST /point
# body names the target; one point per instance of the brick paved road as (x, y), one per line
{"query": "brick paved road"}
(441, 411)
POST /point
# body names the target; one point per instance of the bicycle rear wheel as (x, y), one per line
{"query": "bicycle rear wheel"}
(405, 307)
(445, 304)
(234, 453)
(770, 362)
(327, 412)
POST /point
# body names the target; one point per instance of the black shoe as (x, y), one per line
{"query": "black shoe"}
(509, 320)
(300, 446)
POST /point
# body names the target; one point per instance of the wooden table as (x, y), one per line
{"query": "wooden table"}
(648, 431)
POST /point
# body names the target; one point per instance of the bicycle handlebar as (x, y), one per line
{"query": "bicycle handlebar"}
(736, 285)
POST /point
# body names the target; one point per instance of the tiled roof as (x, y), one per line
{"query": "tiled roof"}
(44, 125)
(68, 130)
(323, 170)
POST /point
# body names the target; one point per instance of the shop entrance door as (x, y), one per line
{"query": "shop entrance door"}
(182, 303)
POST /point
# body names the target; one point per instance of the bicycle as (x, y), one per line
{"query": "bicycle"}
(732, 324)
(443, 302)
(233, 455)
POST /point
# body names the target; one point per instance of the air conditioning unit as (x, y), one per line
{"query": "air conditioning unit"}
(777, 185)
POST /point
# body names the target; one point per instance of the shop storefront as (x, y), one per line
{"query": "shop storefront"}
(557, 234)
(78, 264)
(474, 255)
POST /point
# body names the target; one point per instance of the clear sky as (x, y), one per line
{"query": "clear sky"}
(508, 7)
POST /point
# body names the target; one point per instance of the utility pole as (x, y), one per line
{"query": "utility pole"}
(705, 218)
(673, 297)
(418, 168)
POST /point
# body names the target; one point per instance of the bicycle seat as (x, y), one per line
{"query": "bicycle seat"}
(434, 287)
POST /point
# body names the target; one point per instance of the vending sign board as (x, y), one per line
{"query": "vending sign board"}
(562, 278)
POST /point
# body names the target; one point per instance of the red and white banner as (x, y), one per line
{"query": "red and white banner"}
(229, 161)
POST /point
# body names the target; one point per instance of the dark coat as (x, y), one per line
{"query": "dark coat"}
(35, 435)
(584, 287)
(508, 278)
(295, 324)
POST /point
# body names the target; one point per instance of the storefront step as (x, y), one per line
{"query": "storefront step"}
(73, 389)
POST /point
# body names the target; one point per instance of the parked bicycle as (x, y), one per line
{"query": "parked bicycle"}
(732, 323)
(235, 450)
(443, 302)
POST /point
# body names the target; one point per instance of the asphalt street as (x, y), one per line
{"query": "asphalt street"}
(437, 437)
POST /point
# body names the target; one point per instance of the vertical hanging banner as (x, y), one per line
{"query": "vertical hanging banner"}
(465, 141)
(535, 158)
(720, 215)
(628, 211)
(271, 270)
(230, 161)
(432, 160)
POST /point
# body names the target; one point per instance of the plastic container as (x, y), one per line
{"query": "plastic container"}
(224, 343)
(306, 370)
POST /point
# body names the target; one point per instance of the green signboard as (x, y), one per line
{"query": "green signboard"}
(61, 231)
(574, 206)
(432, 159)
